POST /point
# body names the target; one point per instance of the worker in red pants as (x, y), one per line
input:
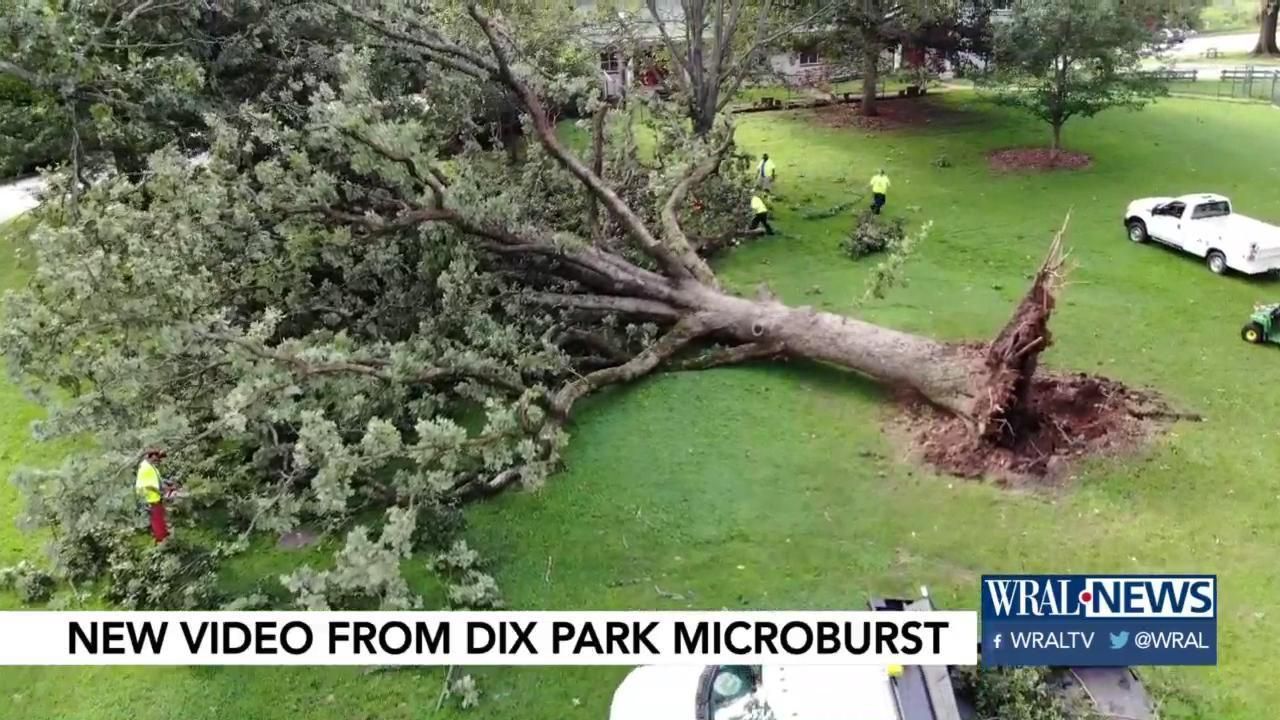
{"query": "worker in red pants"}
(148, 488)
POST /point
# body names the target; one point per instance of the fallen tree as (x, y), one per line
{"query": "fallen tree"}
(336, 315)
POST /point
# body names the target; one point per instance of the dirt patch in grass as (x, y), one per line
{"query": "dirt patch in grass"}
(1036, 160)
(893, 115)
(1067, 418)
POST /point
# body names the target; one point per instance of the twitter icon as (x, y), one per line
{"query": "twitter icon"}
(1119, 640)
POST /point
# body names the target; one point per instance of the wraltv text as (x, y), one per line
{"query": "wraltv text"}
(492, 638)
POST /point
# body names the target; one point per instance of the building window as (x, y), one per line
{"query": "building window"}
(609, 62)
(809, 57)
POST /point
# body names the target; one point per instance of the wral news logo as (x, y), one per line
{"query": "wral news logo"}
(1099, 620)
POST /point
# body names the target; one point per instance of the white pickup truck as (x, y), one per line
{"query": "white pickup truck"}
(1204, 225)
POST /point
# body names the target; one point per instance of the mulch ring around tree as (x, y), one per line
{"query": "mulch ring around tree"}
(1036, 159)
(1070, 417)
(893, 114)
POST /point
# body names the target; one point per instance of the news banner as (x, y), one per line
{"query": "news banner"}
(1054, 620)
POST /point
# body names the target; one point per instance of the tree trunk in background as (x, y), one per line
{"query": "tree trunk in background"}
(1267, 30)
(1057, 138)
(870, 74)
(704, 114)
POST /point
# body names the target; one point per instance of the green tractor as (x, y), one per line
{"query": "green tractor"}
(1263, 325)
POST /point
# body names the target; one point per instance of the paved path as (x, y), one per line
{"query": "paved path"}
(1195, 47)
(18, 197)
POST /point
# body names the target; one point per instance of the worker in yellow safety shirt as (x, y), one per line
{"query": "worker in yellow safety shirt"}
(766, 172)
(879, 188)
(760, 214)
(148, 488)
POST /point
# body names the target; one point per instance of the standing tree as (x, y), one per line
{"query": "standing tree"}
(717, 44)
(1268, 13)
(865, 29)
(1059, 59)
(962, 33)
(343, 312)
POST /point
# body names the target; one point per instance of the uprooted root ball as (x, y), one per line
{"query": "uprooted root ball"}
(1066, 417)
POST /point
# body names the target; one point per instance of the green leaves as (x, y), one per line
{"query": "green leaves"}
(337, 318)
(1066, 58)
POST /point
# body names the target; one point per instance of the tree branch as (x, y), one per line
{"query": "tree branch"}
(678, 262)
(596, 342)
(709, 246)
(435, 49)
(695, 176)
(375, 368)
(732, 356)
(597, 163)
(376, 225)
(607, 303)
(688, 329)
(25, 75)
(608, 272)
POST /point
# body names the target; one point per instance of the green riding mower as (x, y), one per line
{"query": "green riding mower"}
(1263, 325)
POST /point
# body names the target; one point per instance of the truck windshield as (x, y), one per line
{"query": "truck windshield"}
(1211, 210)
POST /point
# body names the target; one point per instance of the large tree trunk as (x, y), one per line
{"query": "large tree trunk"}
(941, 372)
(870, 75)
(987, 386)
(1267, 30)
(1057, 137)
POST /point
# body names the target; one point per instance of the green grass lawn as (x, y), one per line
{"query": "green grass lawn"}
(774, 487)
(1243, 58)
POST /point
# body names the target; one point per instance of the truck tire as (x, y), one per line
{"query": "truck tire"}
(1137, 231)
(1217, 262)
(1252, 333)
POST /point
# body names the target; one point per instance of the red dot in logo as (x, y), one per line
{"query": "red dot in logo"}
(1086, 596)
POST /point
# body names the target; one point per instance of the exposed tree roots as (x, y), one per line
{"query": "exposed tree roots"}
(1065, 418)
(1029, 424)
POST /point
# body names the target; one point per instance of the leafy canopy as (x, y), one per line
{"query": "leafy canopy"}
(1059, 59)
(357, 314)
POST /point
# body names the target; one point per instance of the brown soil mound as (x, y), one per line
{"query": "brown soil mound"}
(1017, 159)
(893, 114)
(1066, 417)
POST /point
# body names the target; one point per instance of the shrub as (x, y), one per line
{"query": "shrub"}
(872, 234)
(1022, 693)
(32, 584)
(438, 524)
(175, 575)
(891, 271)
(466, 690)
(467, 587)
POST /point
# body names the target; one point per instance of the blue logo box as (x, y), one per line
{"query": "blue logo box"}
(1099, 620)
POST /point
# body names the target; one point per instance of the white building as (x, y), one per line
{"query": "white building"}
(627, 42)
